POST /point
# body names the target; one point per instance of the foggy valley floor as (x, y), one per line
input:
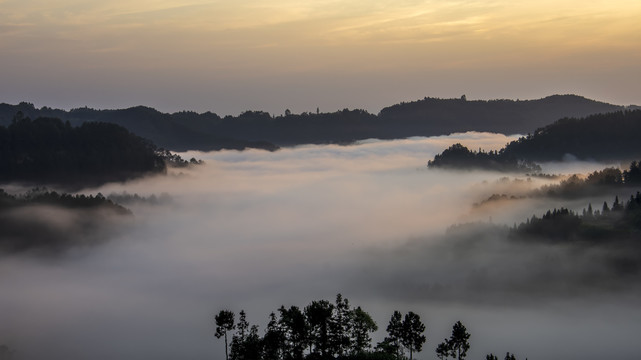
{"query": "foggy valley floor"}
(255, 230)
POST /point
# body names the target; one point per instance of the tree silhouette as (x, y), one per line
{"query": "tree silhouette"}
(241, 344)
(363, 324)
(458, 342)
(340, 327)
(224, 323)
(413, 329)
(395, 331)
(443, 350)
(274, 340)
(294, 328)
(319, 317)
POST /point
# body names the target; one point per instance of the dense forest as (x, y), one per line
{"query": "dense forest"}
(47, 222)
(257, 129)
(50, 151)
(618, 222)
(458, 156)
(611, 136)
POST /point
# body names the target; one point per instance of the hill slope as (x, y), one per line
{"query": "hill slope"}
(603, 137)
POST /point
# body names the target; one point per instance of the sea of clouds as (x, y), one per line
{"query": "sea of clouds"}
(255, 230)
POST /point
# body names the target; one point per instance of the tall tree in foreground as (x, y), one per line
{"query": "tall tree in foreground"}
(412, 334)
(319, 317)
(294, 328)
(395, 332)
(458, 342)
(340, 326)
(362, 325)
(274, 340)
(224, 323)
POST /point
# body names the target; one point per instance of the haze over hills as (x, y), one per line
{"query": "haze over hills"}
(257, 129)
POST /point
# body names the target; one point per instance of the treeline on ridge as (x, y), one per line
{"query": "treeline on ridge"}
(598, 182)
(612, 136)
(48, 222)
(189, 130)
(50, 151)
(616, 222)
(458, 156)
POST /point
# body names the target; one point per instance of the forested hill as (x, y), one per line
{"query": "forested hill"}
(445, 116)
(603, 137)
(257, 129)
(48, 151)
(613, 136)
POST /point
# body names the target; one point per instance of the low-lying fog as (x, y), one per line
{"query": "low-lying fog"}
(255, 230)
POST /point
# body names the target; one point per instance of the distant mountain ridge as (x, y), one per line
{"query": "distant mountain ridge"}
(256, 129)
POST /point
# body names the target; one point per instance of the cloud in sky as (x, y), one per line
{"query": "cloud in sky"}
(232, 56)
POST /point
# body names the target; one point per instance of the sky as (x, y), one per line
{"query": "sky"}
(232, 56)
(255, 230)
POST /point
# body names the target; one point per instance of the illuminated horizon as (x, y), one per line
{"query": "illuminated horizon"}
(228, 57)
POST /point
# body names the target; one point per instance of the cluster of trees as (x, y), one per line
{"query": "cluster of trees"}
(458, 156)
(188, 130)
(610, 136)
(457, 345)
(126, 198)
(576, 186)
(43, 196)
(595, 182)
(322, 330)
(28, 225)
(614, 222)
(508, 356)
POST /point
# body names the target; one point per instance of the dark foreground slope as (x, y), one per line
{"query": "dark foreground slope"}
(257, 129)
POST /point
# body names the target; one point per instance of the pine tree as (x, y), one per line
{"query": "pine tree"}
(224, 323)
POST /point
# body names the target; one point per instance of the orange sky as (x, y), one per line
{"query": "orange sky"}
(229, 56)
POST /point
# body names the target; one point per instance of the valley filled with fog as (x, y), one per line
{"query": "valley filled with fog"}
(255, 230)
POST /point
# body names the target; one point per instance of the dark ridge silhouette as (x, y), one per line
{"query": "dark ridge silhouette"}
(612, 136)
(257, 129)
(46, 222)
(433, 116)
(48, 151)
